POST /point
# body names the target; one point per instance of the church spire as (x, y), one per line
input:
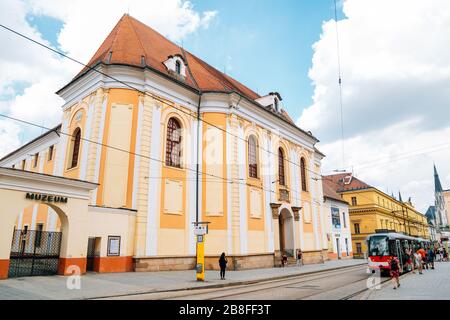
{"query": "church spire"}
(400, 196)
(437, 181)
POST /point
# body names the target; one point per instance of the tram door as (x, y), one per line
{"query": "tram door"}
(399, 252)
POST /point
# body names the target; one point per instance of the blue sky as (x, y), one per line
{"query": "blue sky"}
(269, 43)
(266, 45)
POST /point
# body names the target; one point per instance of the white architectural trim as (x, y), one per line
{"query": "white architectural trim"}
(229, 159)
(137, 157)
(242, 193)
(154, 185)
(85, 146)
(101, 132)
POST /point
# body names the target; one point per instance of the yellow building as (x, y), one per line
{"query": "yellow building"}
(371, 209)
(126, 153)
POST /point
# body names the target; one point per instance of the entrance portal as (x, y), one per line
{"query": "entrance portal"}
(286, 229)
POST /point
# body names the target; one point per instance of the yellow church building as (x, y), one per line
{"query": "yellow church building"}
(116, 187)
(371, 209)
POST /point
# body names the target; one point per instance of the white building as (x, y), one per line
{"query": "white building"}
(337, 223)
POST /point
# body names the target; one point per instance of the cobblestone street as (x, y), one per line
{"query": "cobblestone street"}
(431, 285)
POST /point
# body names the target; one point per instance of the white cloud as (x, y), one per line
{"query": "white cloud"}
(85, 25)
(395, 64)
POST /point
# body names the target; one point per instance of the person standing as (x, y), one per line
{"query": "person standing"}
(430, 257)
(299, 258)
(284, 259)
(444, 255)
(418, 261)
(223, 265)
(423, 257)
(409, 258)
(394, 264)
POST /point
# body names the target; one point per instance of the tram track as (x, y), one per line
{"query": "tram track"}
(266, 285)
(188, 292)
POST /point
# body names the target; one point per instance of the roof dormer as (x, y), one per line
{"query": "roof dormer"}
(272, 101)
(176, 66)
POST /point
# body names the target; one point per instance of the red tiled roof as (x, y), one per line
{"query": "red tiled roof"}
(130, 40)
(336, 181)
(329, 190)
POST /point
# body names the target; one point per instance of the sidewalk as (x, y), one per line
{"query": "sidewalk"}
(431, 285)
(96, 285)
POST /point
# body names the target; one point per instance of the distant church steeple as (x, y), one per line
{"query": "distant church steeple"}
(439, 203)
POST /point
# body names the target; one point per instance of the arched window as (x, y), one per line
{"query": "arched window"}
(281, 175)
(252, 157)
(303, 173)
(76, 136)
(178, 67)
(173, 143)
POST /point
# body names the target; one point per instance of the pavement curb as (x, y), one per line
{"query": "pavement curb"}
(229, 284)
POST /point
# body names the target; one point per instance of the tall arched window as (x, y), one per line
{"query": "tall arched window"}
(252, 157)
(281, 175)
(76, 136)
(303, 173)
(178, 67)
(173, 143)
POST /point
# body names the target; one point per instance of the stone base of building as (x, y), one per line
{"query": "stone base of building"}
(313, 257)
(113, 264)
(334, 256)
(4, 268)
(70, 266)
(164, 263)
(235, 262)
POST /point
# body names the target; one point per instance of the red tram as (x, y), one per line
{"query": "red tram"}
(383, 246)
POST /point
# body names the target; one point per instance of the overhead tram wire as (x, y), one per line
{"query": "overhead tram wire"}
(158, 99)
(162, 101)
(237, 181)
(340, 84)
(148, 93)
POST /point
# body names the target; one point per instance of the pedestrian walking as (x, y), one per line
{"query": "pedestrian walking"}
(418, 261)
(394, 264)
(444, 255)
(299, 258)
(409, 259)
(223, 265)
(441, 254)
(430, 258)
(284, 259)
(423, 256)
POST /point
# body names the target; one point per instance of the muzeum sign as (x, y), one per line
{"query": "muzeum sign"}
(45, 197)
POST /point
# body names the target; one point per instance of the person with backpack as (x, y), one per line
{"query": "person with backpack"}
(223, 265)
(430, 257)
(394, 265)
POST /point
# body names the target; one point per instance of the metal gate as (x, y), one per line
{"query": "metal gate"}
(34, 253)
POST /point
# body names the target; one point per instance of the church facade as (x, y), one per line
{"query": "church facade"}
(118, 179)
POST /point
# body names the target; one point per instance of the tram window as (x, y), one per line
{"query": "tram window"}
(378, 246)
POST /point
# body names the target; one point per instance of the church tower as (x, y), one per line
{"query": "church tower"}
(441, 214)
